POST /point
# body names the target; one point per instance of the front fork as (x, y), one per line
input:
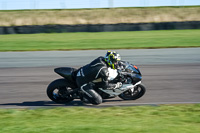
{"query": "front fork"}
(132, 89)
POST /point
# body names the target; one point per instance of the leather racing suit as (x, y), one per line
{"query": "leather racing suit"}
(96, 71)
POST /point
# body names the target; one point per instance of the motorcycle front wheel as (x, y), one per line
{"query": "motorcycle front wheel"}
(58, 91)
(138, 92)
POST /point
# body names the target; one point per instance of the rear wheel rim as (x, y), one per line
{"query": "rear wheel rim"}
(60, 94)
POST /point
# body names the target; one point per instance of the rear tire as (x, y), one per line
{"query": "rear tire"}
(57, 91)
(139, 91)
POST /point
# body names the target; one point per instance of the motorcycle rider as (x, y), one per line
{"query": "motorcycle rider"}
(97, 71)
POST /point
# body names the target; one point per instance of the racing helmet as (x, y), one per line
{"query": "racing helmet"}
(112, 59)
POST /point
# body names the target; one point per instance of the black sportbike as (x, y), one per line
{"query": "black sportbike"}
(65, 90)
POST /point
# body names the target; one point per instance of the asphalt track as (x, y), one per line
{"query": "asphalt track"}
(171, 76)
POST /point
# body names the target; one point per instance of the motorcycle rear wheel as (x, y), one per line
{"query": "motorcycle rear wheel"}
(57, 91)
(138, 92)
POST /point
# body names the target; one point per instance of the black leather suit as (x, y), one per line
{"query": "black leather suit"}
(96, 71)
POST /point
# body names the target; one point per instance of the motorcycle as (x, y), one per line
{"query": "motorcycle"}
(66, 90)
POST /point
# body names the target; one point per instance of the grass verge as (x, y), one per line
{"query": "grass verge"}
(142, 119)
(100, 40)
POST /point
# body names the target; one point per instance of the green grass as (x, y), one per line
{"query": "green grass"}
(100, 40)
(136, 119)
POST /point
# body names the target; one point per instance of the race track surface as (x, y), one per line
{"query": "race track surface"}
(170, 76)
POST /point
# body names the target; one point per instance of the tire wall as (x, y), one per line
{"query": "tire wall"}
(31, 29)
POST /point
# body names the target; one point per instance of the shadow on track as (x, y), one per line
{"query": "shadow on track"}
(43, 103)
(53, 104)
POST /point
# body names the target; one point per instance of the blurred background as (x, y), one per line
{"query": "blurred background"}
(74, 12)
(27, 60)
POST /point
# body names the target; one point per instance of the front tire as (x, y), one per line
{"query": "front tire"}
(57, 91)
(138, 92)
